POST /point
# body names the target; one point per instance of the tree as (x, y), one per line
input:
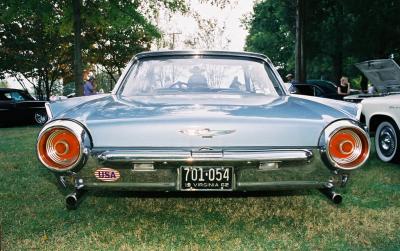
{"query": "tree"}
(32, 44)
(37, 40)
(272, 31)
(209, 34)
(116, 30)
(338, 33)
(300, 68)
(124, 31)
(76, 6)
(375, 29)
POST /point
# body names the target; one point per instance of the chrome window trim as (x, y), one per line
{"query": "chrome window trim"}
(197, 53)
(125, 73)
(150, 54)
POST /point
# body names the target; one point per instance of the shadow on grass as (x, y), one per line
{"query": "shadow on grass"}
(197, 194)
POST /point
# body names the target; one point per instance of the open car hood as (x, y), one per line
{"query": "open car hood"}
(384, 74)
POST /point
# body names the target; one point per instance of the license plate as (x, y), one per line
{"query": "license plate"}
(206, 178)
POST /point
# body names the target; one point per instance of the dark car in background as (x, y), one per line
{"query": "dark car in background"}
(318, 88)
(329, 89)
(19, 107)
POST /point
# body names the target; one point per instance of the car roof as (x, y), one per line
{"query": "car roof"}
(149, 54)
(11, 89)
(320, 81)
(324, 84)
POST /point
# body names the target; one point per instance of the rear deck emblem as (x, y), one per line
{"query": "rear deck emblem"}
(205, 132)
(107, 174)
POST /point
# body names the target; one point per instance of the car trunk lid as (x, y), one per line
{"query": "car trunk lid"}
(225, 122)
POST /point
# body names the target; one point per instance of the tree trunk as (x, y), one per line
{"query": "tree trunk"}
(337, 57)
(364, 84)
(77, 47)
(47, 88)
(300, 74)
(337, 66)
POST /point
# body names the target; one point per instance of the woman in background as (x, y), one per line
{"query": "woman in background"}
(344, 87)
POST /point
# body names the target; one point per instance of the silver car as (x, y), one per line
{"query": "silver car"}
(194, 121)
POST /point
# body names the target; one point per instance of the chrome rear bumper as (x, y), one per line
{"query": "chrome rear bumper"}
(271, 169)
(159, 170)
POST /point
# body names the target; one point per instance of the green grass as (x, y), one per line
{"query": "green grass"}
(33, 214)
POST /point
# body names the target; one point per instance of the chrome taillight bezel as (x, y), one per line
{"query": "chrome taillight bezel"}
(333, 128)
(81, 135)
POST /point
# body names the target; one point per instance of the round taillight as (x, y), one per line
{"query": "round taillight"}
(59, 148)
(348, 148)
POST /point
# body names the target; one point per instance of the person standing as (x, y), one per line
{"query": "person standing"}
(344, 87)
(292, 81)
(89, 88)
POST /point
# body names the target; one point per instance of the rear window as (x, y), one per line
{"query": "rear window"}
(200, 75)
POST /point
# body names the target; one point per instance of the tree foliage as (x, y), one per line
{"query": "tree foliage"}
(272, 31)
(119, 29)
(36, 36)
(209, 35)
(338, 33)
(3, 84)
(31, 43)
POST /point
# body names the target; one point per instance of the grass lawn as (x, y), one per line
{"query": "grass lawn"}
(33, 214)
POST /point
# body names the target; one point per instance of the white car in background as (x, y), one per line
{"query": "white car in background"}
(381, 113)
(382, 117)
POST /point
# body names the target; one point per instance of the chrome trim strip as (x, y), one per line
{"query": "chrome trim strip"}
(168, 53)
(359, 111)
(132, 186)
(186, 156)
(48, 110)
(280, 185)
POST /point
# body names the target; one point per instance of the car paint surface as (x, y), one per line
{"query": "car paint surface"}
(257, 121)
(387, 105)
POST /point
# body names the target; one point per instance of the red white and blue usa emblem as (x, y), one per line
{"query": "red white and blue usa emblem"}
(106, 174)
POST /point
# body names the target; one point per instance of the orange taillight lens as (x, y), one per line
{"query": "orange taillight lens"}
(59, 148)
(348, 148)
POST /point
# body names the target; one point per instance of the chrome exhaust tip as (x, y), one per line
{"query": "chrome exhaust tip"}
(334, 197)
(72, 200)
